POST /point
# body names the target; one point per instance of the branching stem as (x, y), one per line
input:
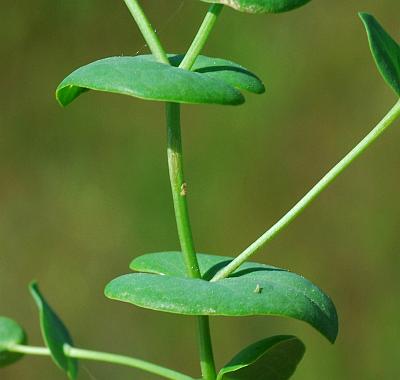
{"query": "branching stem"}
(106, 357)
(359, 149)
(201, 36)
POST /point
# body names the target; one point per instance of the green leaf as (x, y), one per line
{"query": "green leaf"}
(274, 358)
(385, 50)
(214, 81)
(11, 333)
(227, 71)
(261, 6)
(172, 264)
(55, 334)
(254, 289)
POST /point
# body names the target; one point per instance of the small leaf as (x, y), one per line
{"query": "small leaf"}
(213, 81)
(55, 334)
(261, 6)
(385, 50)
(254, 289)
(11, 333)
(274, 358)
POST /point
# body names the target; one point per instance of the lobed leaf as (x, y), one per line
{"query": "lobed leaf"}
(254, 289)
(55, 334)
(261, 6)
(385, 50)
(274, 358)
(11, 333)
(213, 81)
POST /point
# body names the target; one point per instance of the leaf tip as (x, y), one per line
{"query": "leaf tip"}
(366, 17)
(33, 288)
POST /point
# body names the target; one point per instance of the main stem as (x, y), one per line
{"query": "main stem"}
(359, 149)
(179, 193)
(180, 189)
(178, 185)
(147, 31)
(105, 357)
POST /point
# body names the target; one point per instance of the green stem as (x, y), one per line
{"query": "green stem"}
(207, 363)
(126, 361)
(147, 31)
(392, 115)
(179, 189)
(29, 350)
(202, 36)
(106, 357)
(179, 194)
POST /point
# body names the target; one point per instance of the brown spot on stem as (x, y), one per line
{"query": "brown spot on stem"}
(184, 189)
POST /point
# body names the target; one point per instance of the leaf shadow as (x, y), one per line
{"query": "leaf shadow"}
(210, 69)
(210, 273)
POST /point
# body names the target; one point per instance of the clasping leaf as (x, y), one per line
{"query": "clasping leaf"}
(211, 81)
(261, 6)
(253, 289)
(274, 358)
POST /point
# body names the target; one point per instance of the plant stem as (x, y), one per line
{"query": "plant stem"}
(179, 188)
(202, 36)
(179, 194)
(147, 31)
(106, 357)
(126, 361)
(207, 363)
(391, 116)
(29, 350)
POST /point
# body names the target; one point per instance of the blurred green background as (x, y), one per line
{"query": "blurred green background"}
(84, 190)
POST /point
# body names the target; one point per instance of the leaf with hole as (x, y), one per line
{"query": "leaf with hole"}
(254, 289)
(55, 334)
(274, 358)
(261, 6)
(385, 50)
(213, 81)
(11, 333)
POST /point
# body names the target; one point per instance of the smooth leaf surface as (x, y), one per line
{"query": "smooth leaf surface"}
(214, 81)
(261, 6)
(55, 334)
(227, 71)
(254, 289)
(385, 50)
(172, 264)
(11, 333)
(274, 358)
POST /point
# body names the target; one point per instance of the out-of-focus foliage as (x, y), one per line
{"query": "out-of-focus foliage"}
(83, 192)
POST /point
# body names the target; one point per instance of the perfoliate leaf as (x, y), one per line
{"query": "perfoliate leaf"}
(11, 333)
(254, 289)
(261, 6)
(172, 264)
(274, 358)
(385, 50)
(55, 334)
(212, 81)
